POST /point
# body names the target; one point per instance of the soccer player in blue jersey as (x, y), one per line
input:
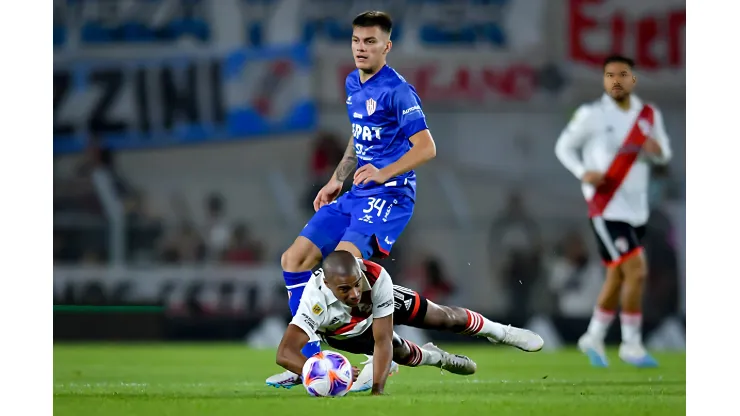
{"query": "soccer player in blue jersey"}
(389, 139)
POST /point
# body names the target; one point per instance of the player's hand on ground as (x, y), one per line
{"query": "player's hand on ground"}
(327, 194)
(651, 146)
(369, 173)
(355, 373)
(594, 178)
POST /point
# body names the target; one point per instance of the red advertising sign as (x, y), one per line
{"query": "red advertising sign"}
(652, 32)
(437, 81)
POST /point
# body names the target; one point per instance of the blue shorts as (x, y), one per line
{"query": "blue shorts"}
(371, 223)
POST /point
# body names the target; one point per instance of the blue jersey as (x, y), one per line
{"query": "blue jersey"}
(385, 112)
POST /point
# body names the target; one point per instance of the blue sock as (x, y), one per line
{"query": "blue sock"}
(295, 283)
(311, 349)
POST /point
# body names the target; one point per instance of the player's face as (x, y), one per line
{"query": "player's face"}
(348, 289)
(618, 80)
(369, 47)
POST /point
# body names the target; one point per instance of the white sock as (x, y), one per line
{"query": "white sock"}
(479, 325)
(600, 322)
(430, 357)
(631, 327)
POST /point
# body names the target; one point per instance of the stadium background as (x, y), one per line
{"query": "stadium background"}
(191, 136)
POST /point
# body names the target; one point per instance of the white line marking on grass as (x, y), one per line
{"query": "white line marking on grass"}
(254, 384)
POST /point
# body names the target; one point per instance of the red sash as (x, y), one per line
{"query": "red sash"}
(622, 162)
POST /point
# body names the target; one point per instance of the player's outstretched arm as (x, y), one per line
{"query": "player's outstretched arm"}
(289, 351)
(383, 352)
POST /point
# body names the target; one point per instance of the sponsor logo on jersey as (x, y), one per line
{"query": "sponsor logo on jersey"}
(411, 110)
(309, 321)
(621, 244)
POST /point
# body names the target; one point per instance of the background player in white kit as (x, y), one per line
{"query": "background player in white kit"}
(619, 136)
(352, 304)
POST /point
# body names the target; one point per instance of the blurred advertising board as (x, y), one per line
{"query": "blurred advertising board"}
(418, 25)
(473, 81)
(455, 53)
(182, 98)
(652, 32)
(144, 73)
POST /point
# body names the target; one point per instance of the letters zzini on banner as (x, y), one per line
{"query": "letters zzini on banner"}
(183, 99)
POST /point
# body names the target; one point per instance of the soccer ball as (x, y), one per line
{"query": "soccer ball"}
(327, 374)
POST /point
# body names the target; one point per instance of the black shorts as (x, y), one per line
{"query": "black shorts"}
(409, 309)
(617, 241)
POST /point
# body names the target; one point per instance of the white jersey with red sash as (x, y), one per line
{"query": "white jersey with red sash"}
(610, 140)
(321, 312)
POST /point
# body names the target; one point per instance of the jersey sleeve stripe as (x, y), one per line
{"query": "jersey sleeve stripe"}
(373, 271)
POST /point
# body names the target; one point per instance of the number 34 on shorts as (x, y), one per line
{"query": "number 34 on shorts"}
(375, 206)
(383, 216)
(360, 219)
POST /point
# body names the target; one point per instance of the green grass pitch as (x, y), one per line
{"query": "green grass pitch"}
(228, 379)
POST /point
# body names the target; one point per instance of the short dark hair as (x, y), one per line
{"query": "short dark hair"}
(374, 18)
(340, 263)
(620, 59)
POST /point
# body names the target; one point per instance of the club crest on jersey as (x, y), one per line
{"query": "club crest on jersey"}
(621, 244)
(370, 106)
(317, 309)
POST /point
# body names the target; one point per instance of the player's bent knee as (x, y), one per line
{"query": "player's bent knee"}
(300, 257)
(296, 261)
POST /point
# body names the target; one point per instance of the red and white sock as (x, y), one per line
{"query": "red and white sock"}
(479, 325)
(600, 322)
(418, 356)
(631, 327)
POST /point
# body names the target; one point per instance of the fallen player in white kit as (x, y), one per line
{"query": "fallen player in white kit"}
(352, 305)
